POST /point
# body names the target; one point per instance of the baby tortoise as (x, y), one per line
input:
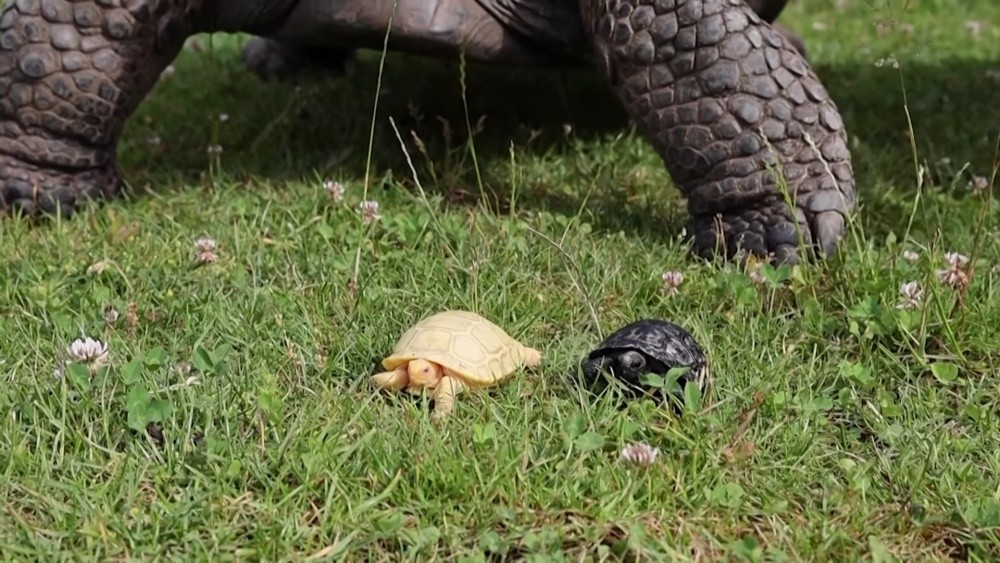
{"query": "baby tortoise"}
(647, 346)
(450, 352)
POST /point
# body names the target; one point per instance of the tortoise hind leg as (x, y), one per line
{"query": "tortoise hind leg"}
(272, 59)
(725, 101)
(532, 357)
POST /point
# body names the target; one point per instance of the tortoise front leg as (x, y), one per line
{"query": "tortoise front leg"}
(593, 371)
(444, 396)
(70, 75)
(722, 97)
(391, 380)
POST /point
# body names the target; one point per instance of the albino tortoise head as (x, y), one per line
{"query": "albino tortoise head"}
(424, 374)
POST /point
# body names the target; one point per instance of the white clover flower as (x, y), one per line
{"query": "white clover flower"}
(956, 260)
(334, 189)
(205, 249)
(978, 184)
(640, 454)
(671, 281)
(88, 351)
(911, 294)
(369, 211)
(955, 275)
(205, 244)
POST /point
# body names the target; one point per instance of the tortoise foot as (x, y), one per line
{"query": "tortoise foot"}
(739, 119)
(774, 231)
(35, 191)
(271, 59)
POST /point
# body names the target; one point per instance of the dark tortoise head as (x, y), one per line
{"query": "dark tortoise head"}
(647, 346)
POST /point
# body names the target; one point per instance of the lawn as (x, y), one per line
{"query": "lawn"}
(235, 419)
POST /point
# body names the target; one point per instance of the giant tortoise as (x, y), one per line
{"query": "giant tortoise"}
(725, 99)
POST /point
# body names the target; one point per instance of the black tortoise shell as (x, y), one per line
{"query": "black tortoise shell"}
(662, 340)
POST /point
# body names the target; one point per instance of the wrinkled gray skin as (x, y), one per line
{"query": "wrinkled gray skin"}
(646, 346)
(723, 97)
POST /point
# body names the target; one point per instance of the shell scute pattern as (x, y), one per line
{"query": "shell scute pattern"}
(664, 341)
(463, 342)
(646, 347)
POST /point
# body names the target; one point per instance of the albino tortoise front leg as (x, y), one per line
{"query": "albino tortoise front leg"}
(444, 396)
(392, 380)
(722, 97)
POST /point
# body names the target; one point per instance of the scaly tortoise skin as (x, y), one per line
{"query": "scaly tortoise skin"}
(450, 352)
(722, 96)
(646, 346)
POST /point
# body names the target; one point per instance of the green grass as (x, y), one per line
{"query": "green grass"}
(839, 427)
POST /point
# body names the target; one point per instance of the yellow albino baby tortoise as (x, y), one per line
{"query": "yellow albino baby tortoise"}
(450, 352)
